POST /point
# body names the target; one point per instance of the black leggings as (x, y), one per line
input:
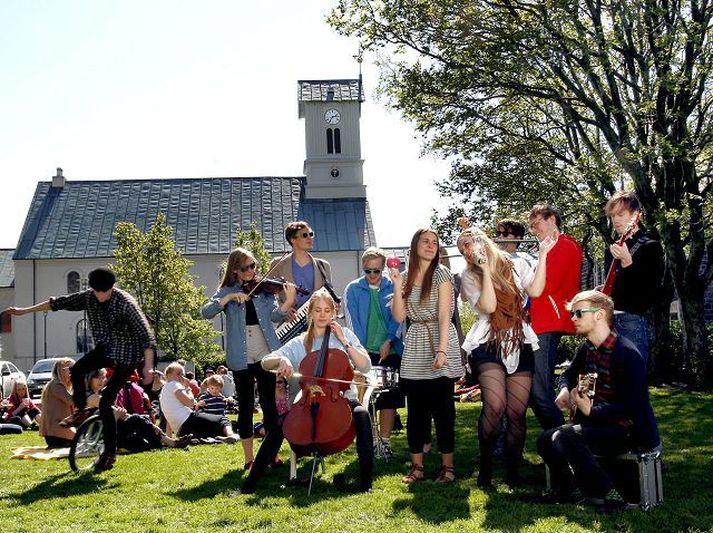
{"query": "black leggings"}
(364, 442)
(138, 434)
(245, 386)
(428, 397)
(204, 425)
(57, 442)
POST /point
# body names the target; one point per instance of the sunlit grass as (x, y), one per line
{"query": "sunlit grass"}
(197, 490)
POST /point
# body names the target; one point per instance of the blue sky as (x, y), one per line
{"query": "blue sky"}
(130, 89)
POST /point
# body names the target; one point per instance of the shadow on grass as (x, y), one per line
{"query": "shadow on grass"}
(60, 486)
(210, 488)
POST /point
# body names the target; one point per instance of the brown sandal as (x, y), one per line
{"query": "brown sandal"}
(414, 475)
(447, 475)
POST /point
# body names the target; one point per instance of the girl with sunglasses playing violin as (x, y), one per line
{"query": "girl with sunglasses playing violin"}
(249, 336)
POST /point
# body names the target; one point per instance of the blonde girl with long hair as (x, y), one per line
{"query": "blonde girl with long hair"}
(500, 343)
(322, 313)
(57, 404)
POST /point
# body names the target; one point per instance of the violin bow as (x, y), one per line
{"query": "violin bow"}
(297, 375)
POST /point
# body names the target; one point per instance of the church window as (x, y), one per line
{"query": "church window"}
(337, 142)
(330, 141)
(72, 282)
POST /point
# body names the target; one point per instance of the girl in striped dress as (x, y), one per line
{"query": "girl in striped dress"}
(431, 359)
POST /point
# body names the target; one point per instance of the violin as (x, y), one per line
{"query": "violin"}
(321, 421)
(269, 286)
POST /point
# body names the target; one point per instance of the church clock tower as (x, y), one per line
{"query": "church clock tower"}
(333, 163)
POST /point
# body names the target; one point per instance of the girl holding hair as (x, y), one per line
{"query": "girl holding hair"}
(500, 343)
(57, 405)
(431, 360)
(249, 336)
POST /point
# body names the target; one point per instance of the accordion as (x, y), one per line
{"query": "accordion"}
(291, 329)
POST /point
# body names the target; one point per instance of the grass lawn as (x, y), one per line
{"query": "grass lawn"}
(196, 489)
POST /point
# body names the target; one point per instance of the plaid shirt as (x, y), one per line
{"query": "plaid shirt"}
(118, 324)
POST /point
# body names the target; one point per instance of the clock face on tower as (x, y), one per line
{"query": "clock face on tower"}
(332, 116)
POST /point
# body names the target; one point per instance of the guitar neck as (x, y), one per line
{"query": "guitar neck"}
(611, 278)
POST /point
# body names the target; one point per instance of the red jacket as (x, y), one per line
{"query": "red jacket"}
(564, 268)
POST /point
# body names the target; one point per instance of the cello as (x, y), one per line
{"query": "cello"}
(321, 421)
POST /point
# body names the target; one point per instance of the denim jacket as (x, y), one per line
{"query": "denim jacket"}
(267, 312)
(356, 310)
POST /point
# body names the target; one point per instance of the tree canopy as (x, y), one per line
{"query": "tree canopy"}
(564, 101)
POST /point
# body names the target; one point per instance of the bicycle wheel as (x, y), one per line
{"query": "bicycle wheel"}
(88, 444)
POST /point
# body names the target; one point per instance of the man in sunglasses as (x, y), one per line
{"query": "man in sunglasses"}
(548, 313)
(300, 267)
(618, 418)
(367, 312)
(640, 270)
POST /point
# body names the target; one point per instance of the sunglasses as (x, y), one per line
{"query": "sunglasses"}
(577, 313)
(245, 268)
(307, 234)
(503, 233)
(372, 270)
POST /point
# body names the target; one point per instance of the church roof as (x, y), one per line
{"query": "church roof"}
(78, 219)
(330, 91)
(7, 269)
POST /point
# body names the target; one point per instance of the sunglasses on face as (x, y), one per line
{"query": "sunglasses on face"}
(307, 234)
(503, 233)
(245, 268)
(372, 271)
(577, 313)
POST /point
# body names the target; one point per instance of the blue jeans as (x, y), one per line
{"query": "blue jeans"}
(542, 395)
(636, 329)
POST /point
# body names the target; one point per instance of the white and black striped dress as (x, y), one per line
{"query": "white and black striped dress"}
(420, 347)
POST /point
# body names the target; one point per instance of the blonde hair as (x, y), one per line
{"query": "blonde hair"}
(174, 367)
(597, 299)
(13, 392)
(57, 376)
(373, 253)
(500, 264)
(215, 379)
(321, 294)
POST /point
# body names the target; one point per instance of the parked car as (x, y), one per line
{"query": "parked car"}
(9, 374)
(40, 375)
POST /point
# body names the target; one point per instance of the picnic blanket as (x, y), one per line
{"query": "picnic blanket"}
(39, 453)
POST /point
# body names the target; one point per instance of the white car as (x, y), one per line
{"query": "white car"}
(40, 375)
(9, 374)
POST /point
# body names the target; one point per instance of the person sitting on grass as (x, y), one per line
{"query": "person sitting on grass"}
(57, 404)
(178, 404)
(19, 407)
(135, 432)
(212, 400)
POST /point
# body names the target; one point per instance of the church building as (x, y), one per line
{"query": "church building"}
(70, 224)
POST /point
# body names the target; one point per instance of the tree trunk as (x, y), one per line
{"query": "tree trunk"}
(666, 367)
(696, 359)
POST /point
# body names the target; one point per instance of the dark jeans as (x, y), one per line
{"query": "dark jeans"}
(636, 329)
(93, 360)
(245, 388)
(203, 425)
(574, 447)
(542, 395)
(426, 398)
(273, 440)
(57, 442)
(138, 434)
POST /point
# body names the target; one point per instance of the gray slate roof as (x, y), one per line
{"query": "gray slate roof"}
(78, 220)
(7, 269)
(319, 91)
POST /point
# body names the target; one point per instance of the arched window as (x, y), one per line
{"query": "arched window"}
(72, 282)
(337, 142)
(330, 141)
(85, 341)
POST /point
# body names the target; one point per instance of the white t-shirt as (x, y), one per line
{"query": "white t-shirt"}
(479, 333)
(171, 407)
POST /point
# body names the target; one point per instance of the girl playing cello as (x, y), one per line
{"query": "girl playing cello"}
(321, 314)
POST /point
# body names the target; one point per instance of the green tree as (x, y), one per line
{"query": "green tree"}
(252, 240)
(149, 266)
(564, 101)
